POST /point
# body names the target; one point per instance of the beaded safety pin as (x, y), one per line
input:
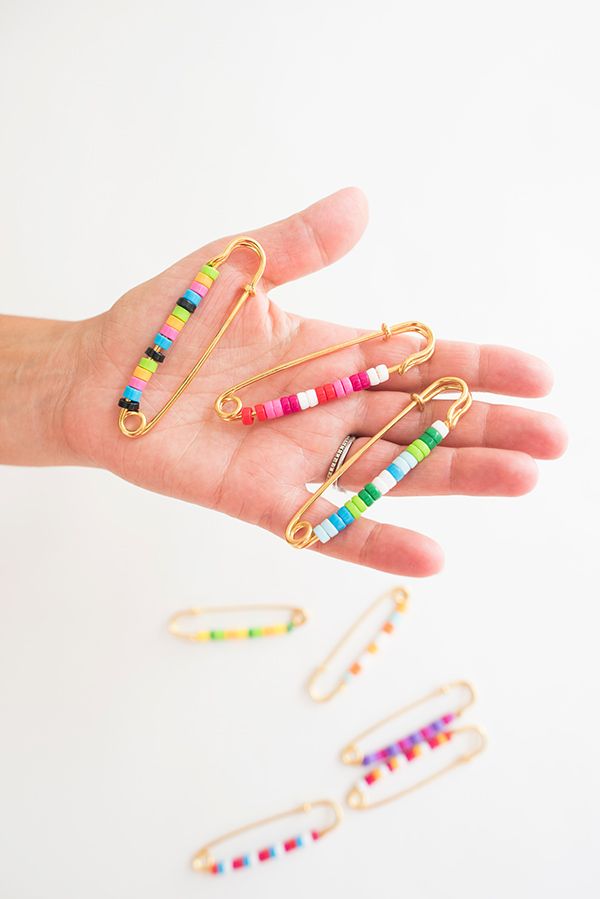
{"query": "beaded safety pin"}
(185, 307)
(397, 755)
(301, 533)
(206, 861)
(398, 597)
(298, 617)
(229, 406)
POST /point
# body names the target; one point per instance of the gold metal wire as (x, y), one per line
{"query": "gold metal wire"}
(357, 798)
(299, 533)
(399, 599)
(229, 397)
(298, 616)
(351, 754)
(204, 859)
(144, 425)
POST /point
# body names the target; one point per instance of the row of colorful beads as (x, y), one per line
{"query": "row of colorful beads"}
(241, 633)
(387, 628)
(399, 761)
(407, 744)
(306, 399)
(183, 309)
(264, 855)
(383, 483)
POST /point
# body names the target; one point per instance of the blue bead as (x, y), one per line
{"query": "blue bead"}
(299, 842)
(220, 868)
(272, 851)
(246, 861)
(337, 522)
(395, 471)
(345, 515)
(192, 296)
(162, 341)
(130, 393)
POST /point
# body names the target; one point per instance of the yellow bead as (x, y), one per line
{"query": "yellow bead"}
(372, 647)
(201, 278)
(175, 322)
(201, 636)
(142, 373)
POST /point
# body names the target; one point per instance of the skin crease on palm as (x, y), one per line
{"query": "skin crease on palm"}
(259, 473)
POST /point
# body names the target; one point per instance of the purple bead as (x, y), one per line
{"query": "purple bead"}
(438, 726)
(369, 759)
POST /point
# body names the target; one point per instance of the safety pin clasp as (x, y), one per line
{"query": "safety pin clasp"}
(301, 533)
(185, 307)
(229, 406)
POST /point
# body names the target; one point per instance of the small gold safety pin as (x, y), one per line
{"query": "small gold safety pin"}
(205, 860)
(297, 617)
(397, 600)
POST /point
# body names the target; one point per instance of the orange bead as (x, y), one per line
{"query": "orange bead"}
(355, 668)
(142, 373)
(388, 627)
(175, 323)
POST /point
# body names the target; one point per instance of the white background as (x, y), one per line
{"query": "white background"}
(133, 132)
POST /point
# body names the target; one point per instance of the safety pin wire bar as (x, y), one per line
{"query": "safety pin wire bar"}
(297, 618)
(185, 307)
(205, 860)
(302, 534)
(397, 597)
(229, 406)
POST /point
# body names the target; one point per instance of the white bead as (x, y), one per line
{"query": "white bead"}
(388, 479)
(307, 838)
(278, 850)
(383, 373)
(380, 484)
(227, 865)
(328, 526)
(402, 464)
(303, 400)
(252, 858)
(409, 459)
(373, 377)
(321, 533)
(442, 427)
(312, 397)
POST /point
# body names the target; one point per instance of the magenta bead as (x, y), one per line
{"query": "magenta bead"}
(364, 379)
(356, 382)
(285, 405)
(269, 410)
(294, 403)
(202, 289)
(347, 385)
(137, 383)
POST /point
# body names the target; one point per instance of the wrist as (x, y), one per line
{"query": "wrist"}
(38, 361)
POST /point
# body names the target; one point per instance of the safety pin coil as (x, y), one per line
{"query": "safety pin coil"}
(301, 533)
(398, 598)
(297, 617)
(230, 408)
(205, 860)
(186, 305)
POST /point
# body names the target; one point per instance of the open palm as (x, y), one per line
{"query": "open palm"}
(259, 473)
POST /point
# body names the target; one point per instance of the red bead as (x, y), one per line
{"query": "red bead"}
(289, 845)
(238, 862)
(370, 778)
(247, 416)
(264, 855)
(330, 391)
(321, 395)
(260, 412)
(214, 869)
(315, 834)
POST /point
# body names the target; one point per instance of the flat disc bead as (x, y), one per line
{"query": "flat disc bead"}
(441, 427)
(201, 278)
(364, 379)
(175, 323)
(247, 417)
(383, 373)
(373, 377)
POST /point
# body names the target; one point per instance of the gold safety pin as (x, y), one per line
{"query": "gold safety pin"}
(229, 397)
(144, 425)
(399, 604)
(204, 859)
(298, 617)
(300, 533)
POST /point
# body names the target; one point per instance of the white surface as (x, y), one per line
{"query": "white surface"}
(132, 133)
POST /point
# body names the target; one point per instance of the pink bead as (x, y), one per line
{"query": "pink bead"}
(168, 331)
(347, 385)
(269, 409)
(364, 379)
(199, 288)
(137, 383)
(294, 403)
(285, 405)
(356, 382)
(277, 409)
(339, 388)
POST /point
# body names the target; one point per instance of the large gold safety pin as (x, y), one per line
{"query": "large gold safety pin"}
(297, 617)
(206, 861)
(302, 534)
(230, 408)
(185, 307)
(397, 599)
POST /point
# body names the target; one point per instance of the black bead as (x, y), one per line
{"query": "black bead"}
(130, 405)
(154, 354)
(186, 304)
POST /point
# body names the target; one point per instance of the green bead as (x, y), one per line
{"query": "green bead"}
(366, 497)
(148, 364)
(422, 446)
(362, 507)
(428, 440)
(181, 313)
(433, 432)
(416, 452)
(255, 632)
(210, 271)
(370, 488)
(290, 626)
(217, 635)
(354, 511)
